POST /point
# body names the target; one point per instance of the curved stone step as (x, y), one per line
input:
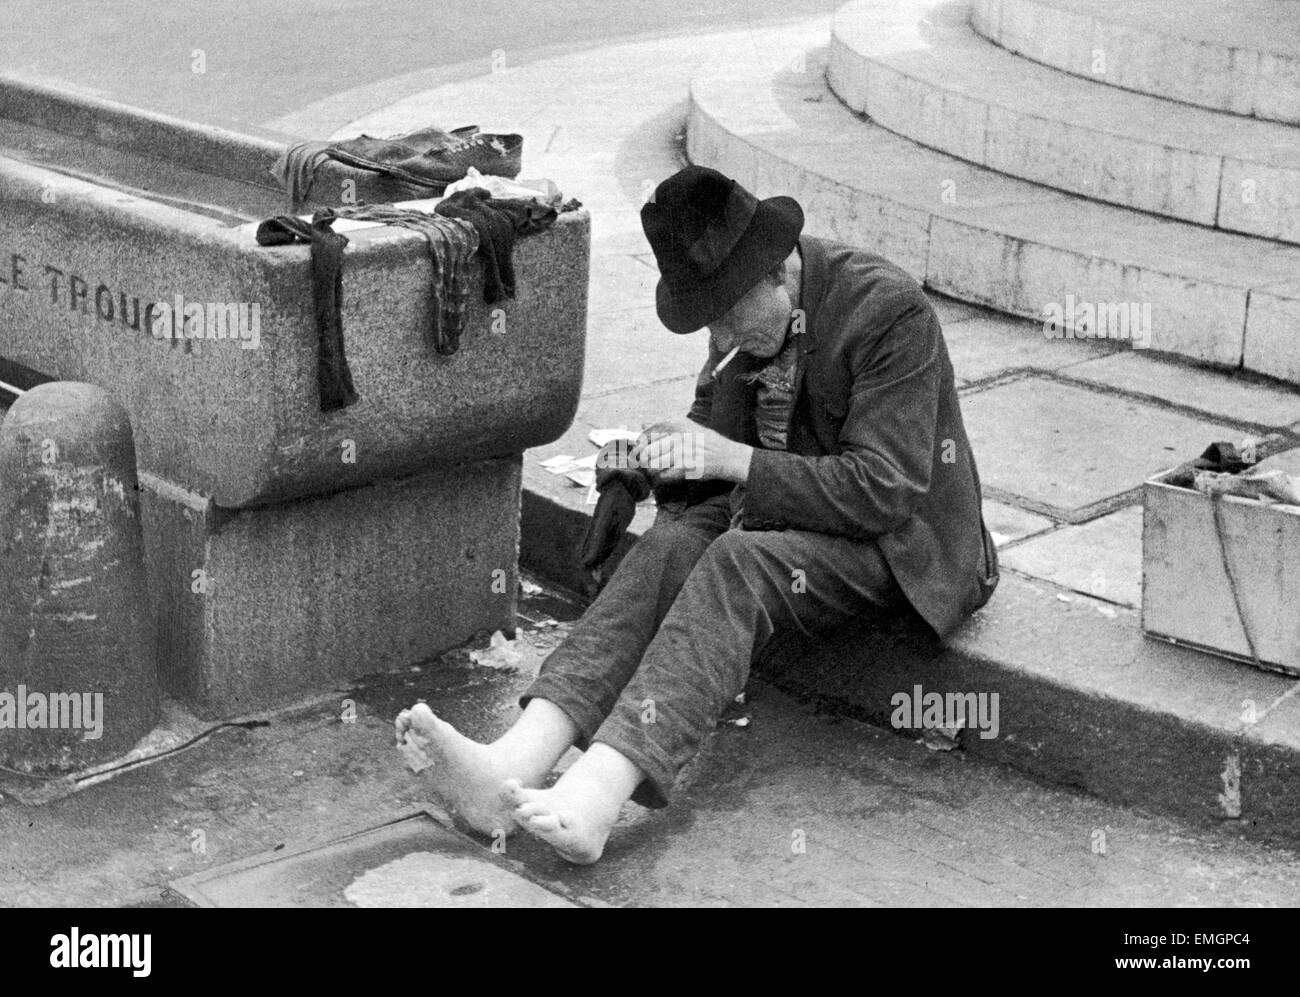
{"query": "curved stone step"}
(990, 239)
(1242, 57)
(918, 68)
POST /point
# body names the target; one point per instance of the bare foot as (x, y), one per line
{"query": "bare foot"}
(464, 775)
(574, 816)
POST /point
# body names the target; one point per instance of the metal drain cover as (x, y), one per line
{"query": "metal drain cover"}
(411, 862)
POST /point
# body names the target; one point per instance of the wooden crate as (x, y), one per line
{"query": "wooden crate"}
(1186, 595)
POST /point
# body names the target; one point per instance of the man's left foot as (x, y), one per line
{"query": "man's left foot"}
(574, 819)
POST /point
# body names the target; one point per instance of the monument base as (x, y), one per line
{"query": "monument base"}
(262, 606)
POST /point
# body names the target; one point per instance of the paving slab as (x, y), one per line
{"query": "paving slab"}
(1006, 523)
(986, 345)
(1102, 558)
(620, 281)
(1087, 446)
(1216, 392)
(631, 349)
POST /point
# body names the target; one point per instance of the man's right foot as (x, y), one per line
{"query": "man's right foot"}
(465, 776)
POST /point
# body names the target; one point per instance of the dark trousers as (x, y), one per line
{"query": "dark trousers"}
(668, 643)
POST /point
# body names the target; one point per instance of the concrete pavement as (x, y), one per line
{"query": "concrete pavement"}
(248, 62)
(798, 808)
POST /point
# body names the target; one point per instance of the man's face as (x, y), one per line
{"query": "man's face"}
(756, 323)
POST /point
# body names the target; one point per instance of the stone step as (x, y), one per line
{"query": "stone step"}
(917, 68)
(990, 239)
(1242, 57)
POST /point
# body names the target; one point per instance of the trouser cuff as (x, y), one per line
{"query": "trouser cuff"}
(554, 689)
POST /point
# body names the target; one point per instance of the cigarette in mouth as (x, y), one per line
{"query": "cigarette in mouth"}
(725, 360)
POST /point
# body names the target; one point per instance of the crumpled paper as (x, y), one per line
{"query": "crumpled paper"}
(1270, 485)
(501, 652)
(945, 738)
(544, 191)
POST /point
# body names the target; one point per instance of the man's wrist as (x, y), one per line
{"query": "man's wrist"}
(740, 463)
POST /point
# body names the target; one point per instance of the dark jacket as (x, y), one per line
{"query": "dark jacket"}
(876, 447)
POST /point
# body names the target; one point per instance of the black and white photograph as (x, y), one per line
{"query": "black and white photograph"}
(651, 454)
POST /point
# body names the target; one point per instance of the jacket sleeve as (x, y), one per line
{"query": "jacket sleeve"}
(888, 440)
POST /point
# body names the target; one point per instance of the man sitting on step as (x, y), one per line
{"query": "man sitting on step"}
(844, 487)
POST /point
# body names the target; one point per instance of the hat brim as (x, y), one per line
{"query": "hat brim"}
(769, 239)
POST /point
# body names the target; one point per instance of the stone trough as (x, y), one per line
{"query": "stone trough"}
(287, 547)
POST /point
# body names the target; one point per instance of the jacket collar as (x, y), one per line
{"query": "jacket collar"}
(813, 253)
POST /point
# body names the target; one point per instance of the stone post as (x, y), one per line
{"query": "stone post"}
(78, 659)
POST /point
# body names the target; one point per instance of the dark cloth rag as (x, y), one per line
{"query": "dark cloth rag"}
(498, 220)
(332, 374)
(621, 487)
(451, 242)
(467, 219)
(1224, 458)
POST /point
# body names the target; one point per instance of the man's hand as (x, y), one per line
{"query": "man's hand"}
(677, 450)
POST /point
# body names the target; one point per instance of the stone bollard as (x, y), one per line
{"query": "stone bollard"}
(78, 659)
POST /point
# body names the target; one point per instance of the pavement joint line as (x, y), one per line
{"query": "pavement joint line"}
(1156, 401)
(636, 387)
(1046, 531)
(1008, 375)
(1024, 504)
(1038, 579)
(1293, 690)
(614, 312)
(1076, 516)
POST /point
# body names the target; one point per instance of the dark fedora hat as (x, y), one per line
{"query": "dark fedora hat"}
(713, 241)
